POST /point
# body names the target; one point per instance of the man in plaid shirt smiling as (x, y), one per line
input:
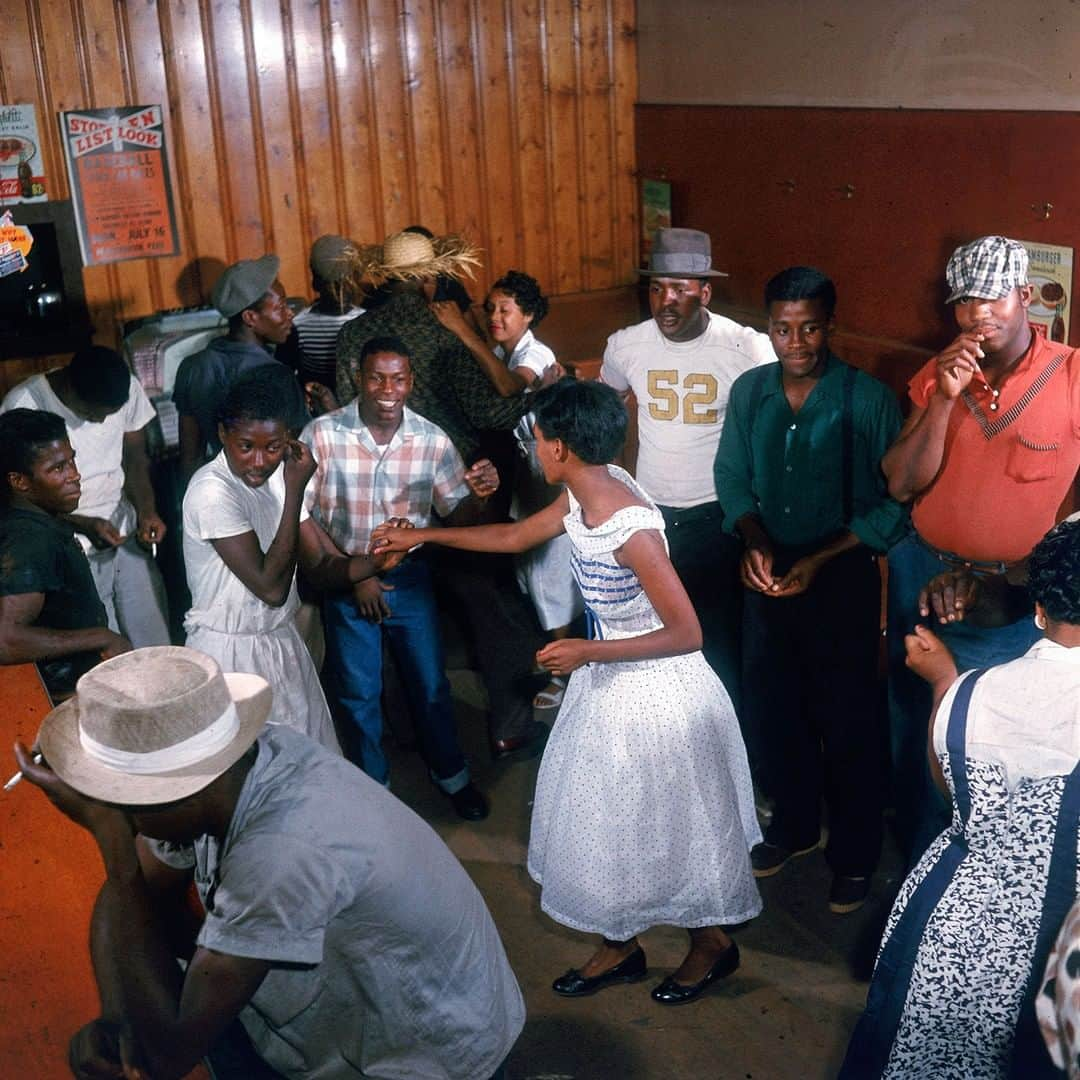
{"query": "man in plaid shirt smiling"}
(378, 460)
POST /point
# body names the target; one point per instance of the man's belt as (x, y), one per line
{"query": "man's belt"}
(985, 567)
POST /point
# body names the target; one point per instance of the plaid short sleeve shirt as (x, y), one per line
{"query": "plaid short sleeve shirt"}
(359, 484)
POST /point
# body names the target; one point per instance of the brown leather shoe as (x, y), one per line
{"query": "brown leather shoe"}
(524, 746)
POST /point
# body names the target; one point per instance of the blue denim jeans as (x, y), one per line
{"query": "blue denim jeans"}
(921, 812)
(354, 650)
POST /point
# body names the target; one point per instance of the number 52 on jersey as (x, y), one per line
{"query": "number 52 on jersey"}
(692, 400)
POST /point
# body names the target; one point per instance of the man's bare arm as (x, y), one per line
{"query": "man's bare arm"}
(21, 642)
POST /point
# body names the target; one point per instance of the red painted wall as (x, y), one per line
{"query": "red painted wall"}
(924, 182)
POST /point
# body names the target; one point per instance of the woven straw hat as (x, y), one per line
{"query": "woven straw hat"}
(410, 256)
(153, 726)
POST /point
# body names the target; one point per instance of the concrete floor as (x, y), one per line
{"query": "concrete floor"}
(787, 1012)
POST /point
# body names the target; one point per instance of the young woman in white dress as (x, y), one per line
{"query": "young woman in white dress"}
(644, 810)
(245, 528)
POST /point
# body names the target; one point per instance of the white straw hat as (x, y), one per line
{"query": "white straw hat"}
(153, 726)
(411, 256)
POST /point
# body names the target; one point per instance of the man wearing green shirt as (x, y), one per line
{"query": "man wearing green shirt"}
(797, 472)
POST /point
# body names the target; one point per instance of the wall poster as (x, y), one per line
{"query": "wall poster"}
(118, 166)
(1050, 274)
(22, 168)
(655, 213)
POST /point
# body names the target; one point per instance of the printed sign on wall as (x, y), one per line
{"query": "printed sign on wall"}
(118, 166)
(1050, 273)
(22, 168)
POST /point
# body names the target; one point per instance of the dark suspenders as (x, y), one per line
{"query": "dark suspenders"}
(847, 446)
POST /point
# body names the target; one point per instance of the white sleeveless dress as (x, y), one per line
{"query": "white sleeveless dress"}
(644, 809)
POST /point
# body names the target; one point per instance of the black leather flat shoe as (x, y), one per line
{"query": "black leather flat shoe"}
(574, 984)
(670, 992)
(469, 803)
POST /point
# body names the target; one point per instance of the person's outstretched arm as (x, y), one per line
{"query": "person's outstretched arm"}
(513, 537)
(328, 568)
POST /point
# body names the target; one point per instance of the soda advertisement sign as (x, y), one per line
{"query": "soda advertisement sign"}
(22, 168)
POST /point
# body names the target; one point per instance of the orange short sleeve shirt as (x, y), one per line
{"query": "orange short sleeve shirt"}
(1007, 475)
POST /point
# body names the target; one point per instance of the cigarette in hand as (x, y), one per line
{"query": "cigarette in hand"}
(18, 776)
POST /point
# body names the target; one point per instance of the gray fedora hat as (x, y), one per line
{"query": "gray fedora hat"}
(681, 253)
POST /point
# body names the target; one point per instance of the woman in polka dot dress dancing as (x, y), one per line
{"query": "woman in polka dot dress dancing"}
(644, 810)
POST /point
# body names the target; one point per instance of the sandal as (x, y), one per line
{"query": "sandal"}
(551, 699)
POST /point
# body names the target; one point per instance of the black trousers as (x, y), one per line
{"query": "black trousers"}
(501, 629)
(812, 710)
(707, 561)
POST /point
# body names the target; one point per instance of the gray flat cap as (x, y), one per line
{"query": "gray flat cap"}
(243, 284)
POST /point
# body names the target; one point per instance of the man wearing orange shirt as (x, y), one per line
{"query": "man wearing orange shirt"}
(988, 459)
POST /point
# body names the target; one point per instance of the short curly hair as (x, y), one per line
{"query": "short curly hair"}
(526, 293)
(1054, 572)
(259, 394)
(588, 416)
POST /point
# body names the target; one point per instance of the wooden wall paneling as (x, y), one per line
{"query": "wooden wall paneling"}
(388, 95)
(195, 120)
(528, 86)
(353, 58)
(237, 141)
(315, 98)
(287, 119)
(18, 67)
(128, 282)
(597, 186)
(562, 97)
(466, 187)
(424, 108)
(622, 51)
(499, 193)
(144, 59)
(63, 58)
(273, 111)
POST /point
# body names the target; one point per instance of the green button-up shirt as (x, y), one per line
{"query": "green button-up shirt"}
(787, 467)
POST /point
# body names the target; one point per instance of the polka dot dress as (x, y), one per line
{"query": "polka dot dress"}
(644, 810)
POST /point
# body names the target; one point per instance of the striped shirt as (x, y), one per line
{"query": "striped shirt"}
(318, 334)
(359, 484)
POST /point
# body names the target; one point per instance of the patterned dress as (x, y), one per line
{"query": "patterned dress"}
(953, 993)
(644, 810)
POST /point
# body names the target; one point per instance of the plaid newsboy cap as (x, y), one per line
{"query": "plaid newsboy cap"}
(988, 268)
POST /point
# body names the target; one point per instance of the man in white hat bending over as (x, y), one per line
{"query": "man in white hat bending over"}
(680, 365)
(988, 459)
(339, 928)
